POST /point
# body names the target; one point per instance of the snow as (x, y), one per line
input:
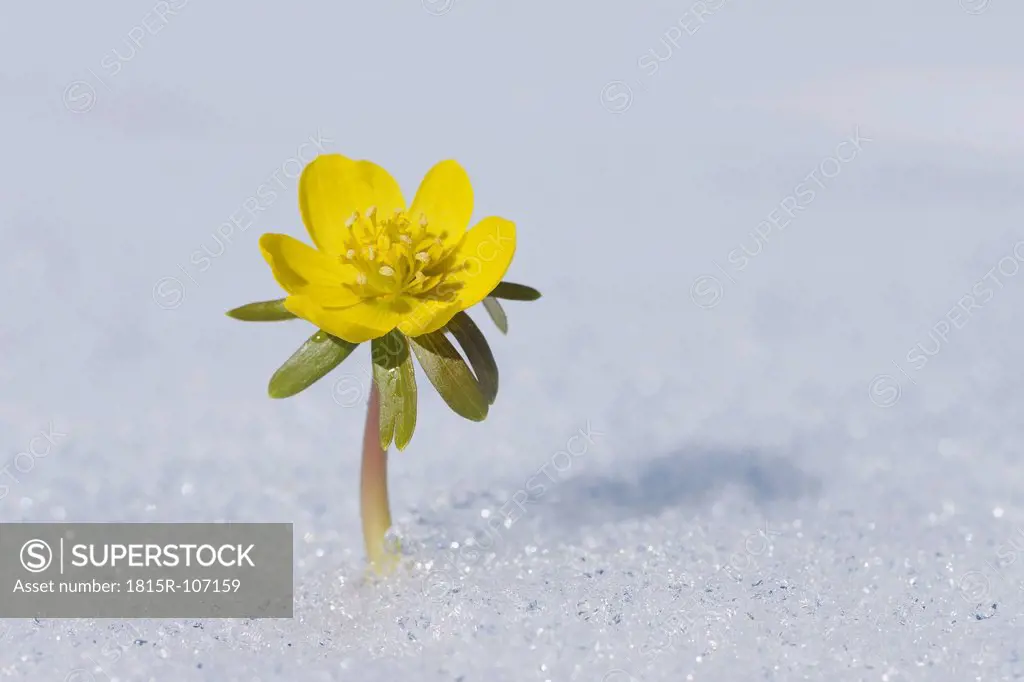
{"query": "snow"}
(804, 462)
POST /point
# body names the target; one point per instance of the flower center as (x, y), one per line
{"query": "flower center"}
(397, 256)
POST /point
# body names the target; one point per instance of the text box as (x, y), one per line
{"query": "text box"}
(146, 570)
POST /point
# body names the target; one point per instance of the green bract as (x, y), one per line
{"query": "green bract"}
(476, 350)
(396, 380)
(515, 292)
(319, 355)
(467, 382)
(264, 311)
(450, 375)
(497, 313)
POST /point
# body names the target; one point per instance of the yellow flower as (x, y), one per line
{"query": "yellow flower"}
(379, 265)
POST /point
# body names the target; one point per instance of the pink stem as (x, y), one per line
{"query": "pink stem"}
(373, 490)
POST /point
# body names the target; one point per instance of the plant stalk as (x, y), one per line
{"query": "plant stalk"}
(373, 491)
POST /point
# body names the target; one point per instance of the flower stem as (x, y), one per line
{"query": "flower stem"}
(373, 491)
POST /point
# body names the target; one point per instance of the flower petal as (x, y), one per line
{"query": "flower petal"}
(427, 316)
(361, 322)
(321, 193)
(332, 187)
(445, 197)
(486, 251)
(297, 266)
(333, 296)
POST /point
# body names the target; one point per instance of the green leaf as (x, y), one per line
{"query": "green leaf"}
(497, 313)
(478, 352)
(396, 382)
(515, 292)
(319, 355)
(450, 375)
(262, 311)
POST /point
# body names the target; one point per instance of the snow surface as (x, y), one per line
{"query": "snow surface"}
(780, 483)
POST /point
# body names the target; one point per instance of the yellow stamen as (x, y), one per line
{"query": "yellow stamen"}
(403, 249)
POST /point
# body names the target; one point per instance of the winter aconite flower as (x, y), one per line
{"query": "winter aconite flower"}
(380, 264)
(401, 277)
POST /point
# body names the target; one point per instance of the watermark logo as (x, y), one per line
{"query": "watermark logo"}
(159, 570)
(974, 6)
(441, 582)
(884, 390)
(706, 292)
(36, 556)
(80, 95)
(617, 97)
(438, 7)
(974, 587)
(39, 447)
(170, 292)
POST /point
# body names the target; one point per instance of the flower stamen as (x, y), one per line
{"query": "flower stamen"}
(400, 256)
